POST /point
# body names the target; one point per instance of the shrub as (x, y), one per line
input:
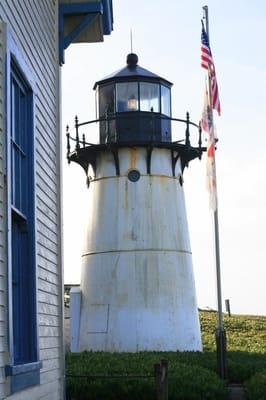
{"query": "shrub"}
(186, 382)
(256, 386)
(246, 355)
(243, 365)
(195, 383)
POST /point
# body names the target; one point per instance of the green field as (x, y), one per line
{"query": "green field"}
(192, 375)
(245, 333)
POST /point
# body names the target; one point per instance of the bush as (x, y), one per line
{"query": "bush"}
(186, 382)
(256, 386)
(242, 365)
(195, 383)
(246, 345)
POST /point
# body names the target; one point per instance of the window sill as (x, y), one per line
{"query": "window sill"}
(12, 370)
(23, 375)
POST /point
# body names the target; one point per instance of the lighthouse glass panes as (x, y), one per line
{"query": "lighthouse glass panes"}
(106, 100)
(165, 101)
(134, 105)
(149, 97)
(127, 97)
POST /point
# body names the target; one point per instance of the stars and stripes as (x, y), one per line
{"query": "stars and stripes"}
(208, 64)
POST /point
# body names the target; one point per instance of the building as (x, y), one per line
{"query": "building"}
(33, 36)
(137, 290)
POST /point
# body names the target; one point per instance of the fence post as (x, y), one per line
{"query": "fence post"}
(157, 376)
(164, 379)
(161, 380)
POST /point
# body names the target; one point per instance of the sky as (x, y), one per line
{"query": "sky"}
(166, 38)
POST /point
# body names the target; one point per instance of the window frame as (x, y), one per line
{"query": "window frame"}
(24, 374)
(158, 87)
(139, 82)
(169, 100)
(117, 84)
(22, 218)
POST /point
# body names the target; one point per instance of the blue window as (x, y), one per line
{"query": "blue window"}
(22, 209)
(25, 367)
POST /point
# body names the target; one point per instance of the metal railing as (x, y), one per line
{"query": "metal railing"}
(81, 141)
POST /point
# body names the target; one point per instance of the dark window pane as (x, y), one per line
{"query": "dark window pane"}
(106, 100)
(127, 97)
(165, 101)
(22, 221)
(149, 97)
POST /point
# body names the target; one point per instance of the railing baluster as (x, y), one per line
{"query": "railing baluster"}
(107, 131)
(200, 140)
(187, 130)
(68, 144)
(77, 133)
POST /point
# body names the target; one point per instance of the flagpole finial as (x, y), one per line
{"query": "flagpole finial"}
(131, 40)
(206, 18)
(205, 12)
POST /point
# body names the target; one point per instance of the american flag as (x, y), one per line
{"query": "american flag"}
(207, 63)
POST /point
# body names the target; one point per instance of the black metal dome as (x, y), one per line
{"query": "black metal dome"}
(134, 71)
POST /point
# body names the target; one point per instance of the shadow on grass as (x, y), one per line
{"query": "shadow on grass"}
(241, 365)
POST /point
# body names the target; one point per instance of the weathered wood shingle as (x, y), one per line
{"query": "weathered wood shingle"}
(34, 27)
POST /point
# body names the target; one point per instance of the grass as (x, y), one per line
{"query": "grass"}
(256, 386)
(244, 333)
(246, 343)
(192, 375)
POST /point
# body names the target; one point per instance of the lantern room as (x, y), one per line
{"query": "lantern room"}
(134, 106)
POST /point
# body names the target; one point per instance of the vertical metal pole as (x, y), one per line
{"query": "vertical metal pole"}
(220, 332)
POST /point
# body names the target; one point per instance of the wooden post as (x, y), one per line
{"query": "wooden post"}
(164, 379)
(227, 307)
(157, 376)
(161, 380)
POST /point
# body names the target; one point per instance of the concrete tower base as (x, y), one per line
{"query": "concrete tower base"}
(137, 284)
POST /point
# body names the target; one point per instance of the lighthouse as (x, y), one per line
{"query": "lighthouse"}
(137, 290)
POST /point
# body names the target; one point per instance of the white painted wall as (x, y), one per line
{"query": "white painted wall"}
(137, 281)
(34, 28)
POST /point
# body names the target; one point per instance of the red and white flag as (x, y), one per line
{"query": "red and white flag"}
(206, 115)
(208, 128)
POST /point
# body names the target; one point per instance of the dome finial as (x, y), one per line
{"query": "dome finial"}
(132, 60)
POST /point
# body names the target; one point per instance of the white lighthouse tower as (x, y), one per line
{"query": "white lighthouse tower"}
(137, 288)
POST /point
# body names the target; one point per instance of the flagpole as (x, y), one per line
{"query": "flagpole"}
(220, 332)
